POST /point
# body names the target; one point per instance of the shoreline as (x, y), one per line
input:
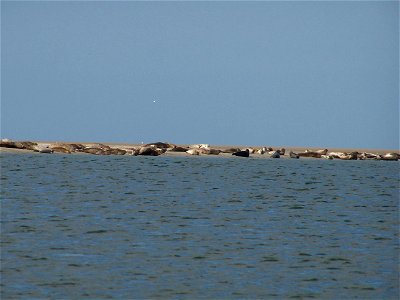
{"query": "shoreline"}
(223, 147)
(126, 146)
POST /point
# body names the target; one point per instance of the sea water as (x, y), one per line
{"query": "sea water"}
(83, 226)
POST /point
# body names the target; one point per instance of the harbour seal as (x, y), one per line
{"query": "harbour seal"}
(349, 156)
(151, 151)
(93, 150)
(308, 153)
(160, 145)
(293, 155)
(262, 150)
(275, 154)
(193, 152)
(322, 152)
(200, 146)
(69, 147)
(60, 150)
(209, 151)
(179, 149)
(116, 151)
(390, 156)
(336, 154)
(243, 153)
(43, 149)
(231, 150)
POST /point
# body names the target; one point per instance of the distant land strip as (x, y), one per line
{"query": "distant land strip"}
(169, 149)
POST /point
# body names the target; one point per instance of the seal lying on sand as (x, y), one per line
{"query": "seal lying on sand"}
(18, 145)
(293, 155)
(210, 151)
(179, 149)
(251, 150)
(200, 146)
(60, 150)
(160, 145)
(199, 151)
(390, 156)
(245, 153)
(231, 150)
(322, 152)
(114, 151)
(43, 149)
(350, 156)
(69, 147)
(276, 154)
(262, 150)
(193, 151)
(309, 154)
(366, 155)
(151, 151)
(93, 150)
(336, 154)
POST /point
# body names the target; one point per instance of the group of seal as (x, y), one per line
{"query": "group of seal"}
(354, 155)
(264, 150)
(158, 148)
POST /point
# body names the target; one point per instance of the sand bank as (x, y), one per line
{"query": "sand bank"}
(129, 146)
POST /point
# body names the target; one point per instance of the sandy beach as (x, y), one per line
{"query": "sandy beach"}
(126, 146)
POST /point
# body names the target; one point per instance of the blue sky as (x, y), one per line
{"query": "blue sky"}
(235, 73)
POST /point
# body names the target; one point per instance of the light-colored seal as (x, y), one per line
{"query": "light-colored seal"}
(390, 156)
(193, 151)
(262, 150)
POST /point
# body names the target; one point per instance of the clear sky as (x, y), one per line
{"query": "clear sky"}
(312, 73)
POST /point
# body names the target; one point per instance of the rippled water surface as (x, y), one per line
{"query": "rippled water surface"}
(83, 226)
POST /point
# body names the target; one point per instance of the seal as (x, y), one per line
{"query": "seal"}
(390, 156)
(160, 145)
(210, 151)
(293, 155)
(349, 156)
(151, 151)
(70, 147)
(200, 146)
(322, 152)
(93, 150)
(309, 154)
(243, 153)
(262, 150)
(60, 150)
(116, 151)
(231, 150)
(43, 149)
(276, 154)
(336, 154)
(179, 149)
(193, 152)
(367, 156)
